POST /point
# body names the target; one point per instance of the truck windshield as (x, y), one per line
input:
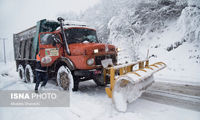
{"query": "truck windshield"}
(81, 35)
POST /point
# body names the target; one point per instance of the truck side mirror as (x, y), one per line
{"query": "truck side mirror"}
(54, 42)
(50, 39)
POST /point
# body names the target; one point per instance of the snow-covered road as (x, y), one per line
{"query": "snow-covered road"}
(90, 103)
(181, 95)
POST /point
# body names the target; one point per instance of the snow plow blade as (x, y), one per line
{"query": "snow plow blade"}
(127, 84)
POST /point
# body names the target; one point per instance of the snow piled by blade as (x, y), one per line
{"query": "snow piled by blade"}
(122, 95)
(130, 86)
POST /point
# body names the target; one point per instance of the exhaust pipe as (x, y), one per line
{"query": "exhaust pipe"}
(61, 20)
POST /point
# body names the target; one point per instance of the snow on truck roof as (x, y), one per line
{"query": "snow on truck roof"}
(75, 24)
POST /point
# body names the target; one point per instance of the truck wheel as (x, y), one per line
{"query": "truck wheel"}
(65, 78)
(29, 77)
(21, 72)
(99, 80)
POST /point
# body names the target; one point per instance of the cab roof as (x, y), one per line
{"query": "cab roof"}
(76, 26)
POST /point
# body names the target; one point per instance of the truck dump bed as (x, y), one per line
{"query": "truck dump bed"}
(24, 47)
(26, 42)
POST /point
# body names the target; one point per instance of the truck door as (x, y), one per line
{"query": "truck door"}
(49, 48)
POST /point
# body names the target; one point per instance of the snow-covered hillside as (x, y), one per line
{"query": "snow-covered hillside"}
(169, 29)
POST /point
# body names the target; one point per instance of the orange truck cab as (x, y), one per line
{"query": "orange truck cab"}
(74, 46)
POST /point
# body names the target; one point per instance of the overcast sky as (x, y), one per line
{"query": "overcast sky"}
(17, 15)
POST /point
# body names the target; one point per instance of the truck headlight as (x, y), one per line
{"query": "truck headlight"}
(118, 49)
(46, 60)
(90, 61)
(96, 50)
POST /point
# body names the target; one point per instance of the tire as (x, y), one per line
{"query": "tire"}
(29, 76)
(65, 79)
(21, 72)
(99, 80)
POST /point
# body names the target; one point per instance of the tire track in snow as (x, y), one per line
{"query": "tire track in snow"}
(10, 83)
(184, 96)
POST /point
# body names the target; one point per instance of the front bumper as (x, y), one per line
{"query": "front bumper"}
(88, 73)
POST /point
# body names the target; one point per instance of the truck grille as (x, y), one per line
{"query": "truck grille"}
(98, 59)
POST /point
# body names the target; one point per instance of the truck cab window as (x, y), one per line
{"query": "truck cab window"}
(81, 35)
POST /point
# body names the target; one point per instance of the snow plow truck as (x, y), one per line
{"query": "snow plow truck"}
(72, 54)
